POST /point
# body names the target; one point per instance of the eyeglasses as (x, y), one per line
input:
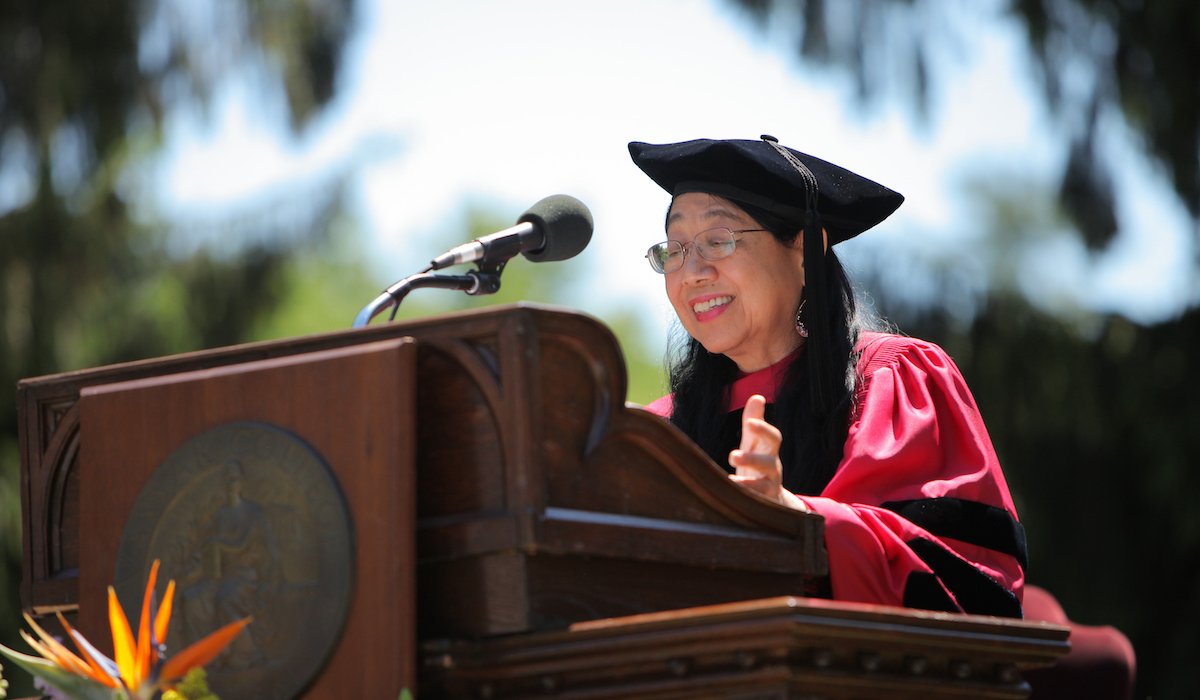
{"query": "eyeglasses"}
(712, 245)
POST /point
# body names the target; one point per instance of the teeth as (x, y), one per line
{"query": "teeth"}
(711, 304)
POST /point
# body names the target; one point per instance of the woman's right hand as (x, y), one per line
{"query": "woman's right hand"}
(756, 461)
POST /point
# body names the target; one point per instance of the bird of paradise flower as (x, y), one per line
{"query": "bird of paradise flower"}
(140, 669)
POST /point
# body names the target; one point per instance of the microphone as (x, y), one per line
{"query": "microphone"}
(556, 228)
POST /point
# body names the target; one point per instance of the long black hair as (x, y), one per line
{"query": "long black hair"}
(814, 433)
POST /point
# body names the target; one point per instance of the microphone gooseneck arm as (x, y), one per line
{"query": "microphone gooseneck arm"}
(470, 283)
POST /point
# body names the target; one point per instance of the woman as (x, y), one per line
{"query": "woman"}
(783, 381)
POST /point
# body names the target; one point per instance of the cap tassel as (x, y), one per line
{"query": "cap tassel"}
(816, 293)
(820, 346)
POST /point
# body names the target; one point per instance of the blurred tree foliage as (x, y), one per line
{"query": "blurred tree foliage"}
(1140, 60)
(84, 90)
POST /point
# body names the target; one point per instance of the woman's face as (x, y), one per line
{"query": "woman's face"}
(743, 306)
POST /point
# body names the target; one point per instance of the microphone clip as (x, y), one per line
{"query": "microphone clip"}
(487, 278)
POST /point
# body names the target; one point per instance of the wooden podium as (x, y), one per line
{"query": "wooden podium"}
(513, 524)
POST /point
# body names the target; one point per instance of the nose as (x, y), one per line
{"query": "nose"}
(695, 268)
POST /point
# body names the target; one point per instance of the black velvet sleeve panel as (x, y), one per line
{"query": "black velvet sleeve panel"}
(976, 592)
(923, 591)
(967, 521)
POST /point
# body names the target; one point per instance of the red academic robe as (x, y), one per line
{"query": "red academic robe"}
(918, 513)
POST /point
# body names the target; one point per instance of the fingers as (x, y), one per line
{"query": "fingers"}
(756, 407)
(761, 472)
(755, 464)
(757, 434)
(760, 486)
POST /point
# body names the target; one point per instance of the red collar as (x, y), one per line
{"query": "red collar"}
(766, 381)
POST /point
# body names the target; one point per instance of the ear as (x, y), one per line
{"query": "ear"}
(797, 245)
(795, 251)
(798, 241)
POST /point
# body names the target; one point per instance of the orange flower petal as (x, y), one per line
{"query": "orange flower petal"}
(52, 650)
(39, 648)
(200, 653)
(33, 625)
(164, 613)
(142, 661)
(69, 662)
(98, 673)
(123, 644)
(60, 654)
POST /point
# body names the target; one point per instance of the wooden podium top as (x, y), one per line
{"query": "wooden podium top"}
(778, 648)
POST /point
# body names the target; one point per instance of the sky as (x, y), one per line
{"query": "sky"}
(505, 102)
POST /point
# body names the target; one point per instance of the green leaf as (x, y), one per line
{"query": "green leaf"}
(194, 686)
(76, 687)
(406, 694)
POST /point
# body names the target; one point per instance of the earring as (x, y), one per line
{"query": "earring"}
(800, 324)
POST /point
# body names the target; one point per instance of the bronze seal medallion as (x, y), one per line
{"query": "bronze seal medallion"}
(249, 520)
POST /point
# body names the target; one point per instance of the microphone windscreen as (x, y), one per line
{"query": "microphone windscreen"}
(566, 224)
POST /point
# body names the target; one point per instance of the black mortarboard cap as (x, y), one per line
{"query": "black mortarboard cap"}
(758, 173)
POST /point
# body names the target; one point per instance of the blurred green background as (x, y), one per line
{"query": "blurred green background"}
(1094, 415)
